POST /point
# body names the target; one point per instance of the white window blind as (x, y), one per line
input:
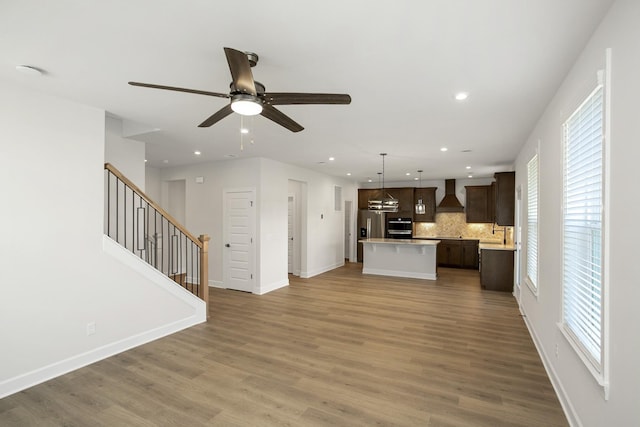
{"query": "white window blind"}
(532, 222)
(582, 227)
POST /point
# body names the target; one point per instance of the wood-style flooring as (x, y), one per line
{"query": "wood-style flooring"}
(339, 349)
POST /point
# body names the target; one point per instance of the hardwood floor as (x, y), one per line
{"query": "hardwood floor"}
(340, 349)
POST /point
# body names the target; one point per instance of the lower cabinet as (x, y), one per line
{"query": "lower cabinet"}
(496, 270)
(458, 253)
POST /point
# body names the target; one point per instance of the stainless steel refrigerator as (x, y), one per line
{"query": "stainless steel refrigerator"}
(371, 224)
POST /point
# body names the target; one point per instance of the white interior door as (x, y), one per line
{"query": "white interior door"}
(290, 228)
(238, 251)
(347, 229)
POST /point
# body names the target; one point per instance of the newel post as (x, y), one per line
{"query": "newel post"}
(204, 270)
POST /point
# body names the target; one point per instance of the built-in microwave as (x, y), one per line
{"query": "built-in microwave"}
(399, 228)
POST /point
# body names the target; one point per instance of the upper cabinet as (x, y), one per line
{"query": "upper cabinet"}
(428, 196)
(407, 199)
(505, 195)
(366, 194)
(479, 205)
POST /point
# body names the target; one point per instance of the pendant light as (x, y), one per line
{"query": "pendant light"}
(420, 207)
(387, 203)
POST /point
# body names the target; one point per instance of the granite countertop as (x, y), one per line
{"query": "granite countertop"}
(446, 238)
(414, 241)
(496, 247)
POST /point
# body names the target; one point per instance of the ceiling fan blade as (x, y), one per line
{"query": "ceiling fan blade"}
(180, 89)
(217, 116)
(240, 71)
(280, 118)
(275, 98)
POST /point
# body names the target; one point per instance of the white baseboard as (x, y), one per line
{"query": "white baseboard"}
(565, 402)
(272, 287)
(40, 375)
(216, 284)
(308, 274)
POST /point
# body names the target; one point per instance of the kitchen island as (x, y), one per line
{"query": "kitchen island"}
(412, 258)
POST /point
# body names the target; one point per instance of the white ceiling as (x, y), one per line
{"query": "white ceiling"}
(401, 62)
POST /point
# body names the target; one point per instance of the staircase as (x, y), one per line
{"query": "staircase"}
(141, 226)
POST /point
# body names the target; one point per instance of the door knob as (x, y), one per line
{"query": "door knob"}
(227, 245)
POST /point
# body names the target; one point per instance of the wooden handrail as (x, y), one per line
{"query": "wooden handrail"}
(153, 204)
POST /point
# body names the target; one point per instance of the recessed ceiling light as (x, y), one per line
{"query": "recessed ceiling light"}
(348, 173)
(415, 179)
(29, 70)
(461, 96)
(444, 149)
(469, 176)
(332, 159)
(369, 180)
(244, 130)
(145, 160)
(408, 173)
(197, 153)
(468, 167)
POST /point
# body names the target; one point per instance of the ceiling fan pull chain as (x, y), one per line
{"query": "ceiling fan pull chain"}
(241, 133)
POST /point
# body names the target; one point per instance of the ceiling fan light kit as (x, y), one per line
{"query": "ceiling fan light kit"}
(248, 97)
(246, 105)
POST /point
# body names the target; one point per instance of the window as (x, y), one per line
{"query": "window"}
(582, 304)
(532, 223)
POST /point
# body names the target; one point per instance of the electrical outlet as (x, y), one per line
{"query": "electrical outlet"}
(556, 351)
(91, 328)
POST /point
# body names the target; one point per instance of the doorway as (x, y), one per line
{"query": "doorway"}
(238, 253)
(291, 216)
(348, 242)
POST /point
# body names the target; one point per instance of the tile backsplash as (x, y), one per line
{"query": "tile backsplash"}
(450, 224)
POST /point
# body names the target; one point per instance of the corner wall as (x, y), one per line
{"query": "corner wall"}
(57, 279)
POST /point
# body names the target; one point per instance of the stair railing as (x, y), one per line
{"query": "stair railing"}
(140, 225)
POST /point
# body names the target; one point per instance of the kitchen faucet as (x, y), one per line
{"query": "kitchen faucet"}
(504, 233)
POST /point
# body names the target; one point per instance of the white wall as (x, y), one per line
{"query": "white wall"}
(125, 154)
(322, 225)
(323, 239)
(152, 183)
(582, 397)
(56, 277)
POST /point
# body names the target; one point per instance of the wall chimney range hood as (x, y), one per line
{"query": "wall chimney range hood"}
(450, 202)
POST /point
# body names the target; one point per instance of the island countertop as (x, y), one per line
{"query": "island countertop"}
(496, 247)
(411, 242)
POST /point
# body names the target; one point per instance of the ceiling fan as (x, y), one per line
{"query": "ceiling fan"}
(248, 97)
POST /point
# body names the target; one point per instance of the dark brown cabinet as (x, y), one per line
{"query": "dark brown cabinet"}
(457, 253)
(404, 196)
(405, 201)
(496, 270)
(428, 196)
(366, 194)
(479, 206)
(469, 258)
(505, 196)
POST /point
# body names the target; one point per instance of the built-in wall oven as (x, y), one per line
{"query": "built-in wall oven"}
(399, 228)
